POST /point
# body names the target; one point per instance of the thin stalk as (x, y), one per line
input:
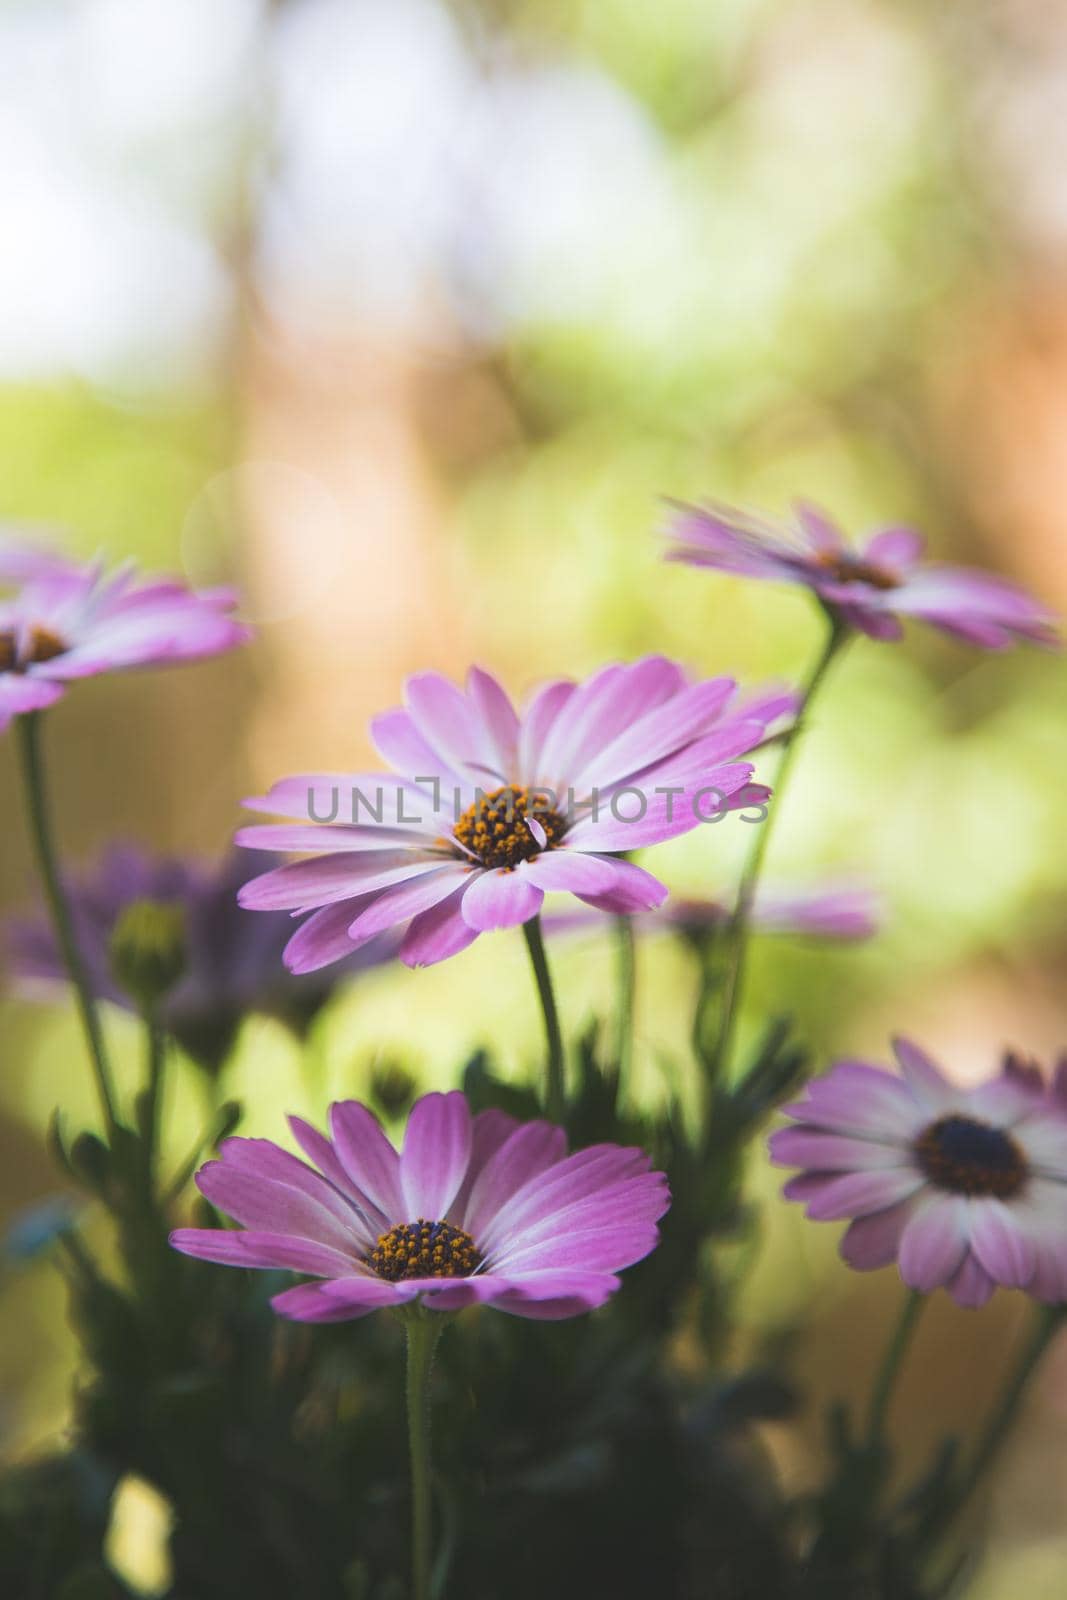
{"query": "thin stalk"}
(627, 995)
(156, 1042)
(1049, 1320)
(892, 1361)
(423, 1331)
(554, 1089)
(35, 789)
(738, 930)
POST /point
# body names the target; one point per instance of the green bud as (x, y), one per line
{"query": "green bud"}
(148, 951)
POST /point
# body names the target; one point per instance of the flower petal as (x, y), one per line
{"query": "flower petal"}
(500, 899)
(934, 1242)
(233, 1249)
(530, 1149)
(340, 1299)
(437, 1148)
(368, 1157)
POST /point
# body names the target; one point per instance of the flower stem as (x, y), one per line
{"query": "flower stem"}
(29, 731)
(738, 929)
(423, 1331)
(627, 978)
(156, 1041)
(888, 1372)
(1049, 1320)
(554, 1090)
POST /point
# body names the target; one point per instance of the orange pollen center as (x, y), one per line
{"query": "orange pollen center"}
(495, 829)
(44, 645)
(850, 569)
(424, 1250)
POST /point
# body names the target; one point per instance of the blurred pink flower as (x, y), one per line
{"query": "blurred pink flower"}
(69, 620)
(870, 588)
(965, 1188)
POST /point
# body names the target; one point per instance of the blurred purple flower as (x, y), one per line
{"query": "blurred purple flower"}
(961, 1187)
(834, 911)
(70, 620)
(492, 809)
(870, 588)
(233, 960)
(477, 1210)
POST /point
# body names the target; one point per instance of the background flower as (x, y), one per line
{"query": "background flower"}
(870, 587)
(232, 960)
(965, 1188)
(489, 810)
(71, 621)
(477, 1210)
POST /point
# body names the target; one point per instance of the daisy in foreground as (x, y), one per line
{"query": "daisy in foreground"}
(70, 620)
(477, 1210)
(869, 588)
(962, 1187)
(488, 810)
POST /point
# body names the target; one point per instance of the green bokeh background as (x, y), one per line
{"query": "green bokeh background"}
(847, 305)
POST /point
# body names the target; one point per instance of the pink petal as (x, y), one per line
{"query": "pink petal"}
(327, 879)
(972, 1285)
(538, 721)
(589, 1250)
(924, 1077)
(436, 934)
(20, 693)
(340, 1300)
(446, 721)
(323, 938)
(406, 900)
(664, 728)
(530, 1149)
(499, 721)
(263, 1250)
(549, 1296)
(570, 870)
(489, 1130)
(632, 890)
(829, 1152)
(895, 548)
(934, 1242)
(500, 899)
(1000, 1244)
(398, 741)
(874, 1241)
(437, 1148)
(368, 1157)
(858, 1193)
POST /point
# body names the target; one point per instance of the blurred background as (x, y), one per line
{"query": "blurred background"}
(404, 316)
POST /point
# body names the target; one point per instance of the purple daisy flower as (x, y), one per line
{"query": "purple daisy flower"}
(71, 621)
(965, 1188)
(834, 911)
(487, 810)
(870, 588)
(232, 960)
(478, 1210)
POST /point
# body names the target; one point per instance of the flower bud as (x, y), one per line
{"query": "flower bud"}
(148, 951)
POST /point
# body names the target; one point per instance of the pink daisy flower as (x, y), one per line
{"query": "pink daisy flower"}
(478, 1210)
(488, 810)
(870, 588)
(72, 621)
(965, 1188)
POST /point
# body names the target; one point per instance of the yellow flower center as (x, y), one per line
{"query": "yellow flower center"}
(424, 1250)
(495, 829)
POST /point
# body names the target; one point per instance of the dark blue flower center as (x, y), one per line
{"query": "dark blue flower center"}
(966, 1156)
(424, 1250)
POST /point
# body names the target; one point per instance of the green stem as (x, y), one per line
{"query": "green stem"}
(423, 1331)
(554, 1089)
(885, 1382)
(29, 731)
(627, 978)
(1049, 1320)
(157, 1060)
(738, 930)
